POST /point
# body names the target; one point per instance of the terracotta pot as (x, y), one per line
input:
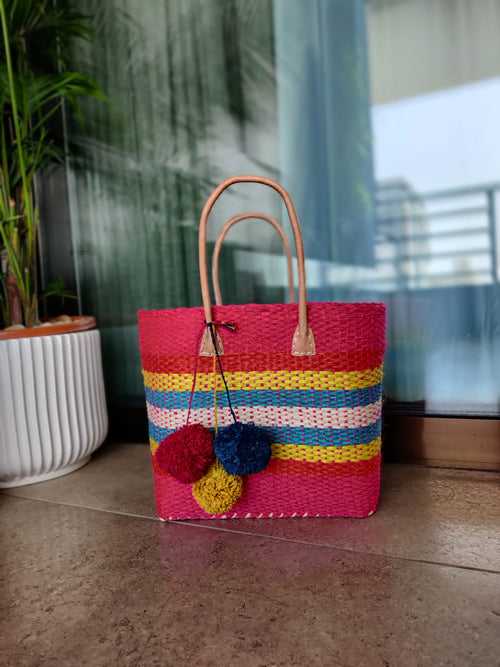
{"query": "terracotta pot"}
(52, 402)
(80, 323)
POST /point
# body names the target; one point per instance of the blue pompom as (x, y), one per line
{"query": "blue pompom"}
(242, 449)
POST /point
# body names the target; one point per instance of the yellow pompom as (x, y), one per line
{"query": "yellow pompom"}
(217, 491)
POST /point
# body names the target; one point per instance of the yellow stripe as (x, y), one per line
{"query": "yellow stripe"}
(274, 380)
(318, 454)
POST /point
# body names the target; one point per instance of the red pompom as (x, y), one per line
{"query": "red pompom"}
(186, 454)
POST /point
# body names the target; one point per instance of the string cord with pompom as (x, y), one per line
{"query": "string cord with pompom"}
(187, 453)
(242, 449)
(211, 328)
(217, 491)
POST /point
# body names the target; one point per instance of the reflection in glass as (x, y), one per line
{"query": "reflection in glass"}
(380, 117)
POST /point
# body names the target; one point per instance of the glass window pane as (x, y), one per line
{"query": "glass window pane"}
(434, 82)
(378, 116)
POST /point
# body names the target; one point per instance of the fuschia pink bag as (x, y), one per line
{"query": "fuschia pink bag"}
(308, 375)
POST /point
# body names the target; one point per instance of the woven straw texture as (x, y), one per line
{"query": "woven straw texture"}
(321, 412)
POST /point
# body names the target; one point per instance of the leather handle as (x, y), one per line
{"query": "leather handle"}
(303, 340)
(222, 235)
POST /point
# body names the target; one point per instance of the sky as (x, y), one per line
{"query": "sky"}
(446, 139)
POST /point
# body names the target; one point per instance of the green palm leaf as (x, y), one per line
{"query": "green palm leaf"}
(34, 86)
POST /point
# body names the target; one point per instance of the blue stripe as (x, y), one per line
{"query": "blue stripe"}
(341, 398)
(300, 435)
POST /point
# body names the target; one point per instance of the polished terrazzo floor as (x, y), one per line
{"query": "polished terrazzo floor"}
(88, 577)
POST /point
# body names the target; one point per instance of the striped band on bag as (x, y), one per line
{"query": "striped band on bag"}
(310, 454)
(311, 417)
(276, 380)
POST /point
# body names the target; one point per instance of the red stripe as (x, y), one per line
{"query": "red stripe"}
(332, 361)
(346, 469)
(319, 469)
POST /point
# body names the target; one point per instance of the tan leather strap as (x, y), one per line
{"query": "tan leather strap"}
(222, 235)
(303, 339)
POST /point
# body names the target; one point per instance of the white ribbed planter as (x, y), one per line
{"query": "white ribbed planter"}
(52, 405)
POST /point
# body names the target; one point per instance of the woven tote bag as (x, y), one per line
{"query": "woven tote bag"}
(308, 375)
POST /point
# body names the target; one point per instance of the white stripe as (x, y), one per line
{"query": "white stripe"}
(271, 415)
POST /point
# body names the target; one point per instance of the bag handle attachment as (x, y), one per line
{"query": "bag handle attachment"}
(222, 235)
(303, 340)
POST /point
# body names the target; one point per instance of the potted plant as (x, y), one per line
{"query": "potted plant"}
(52, 403)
